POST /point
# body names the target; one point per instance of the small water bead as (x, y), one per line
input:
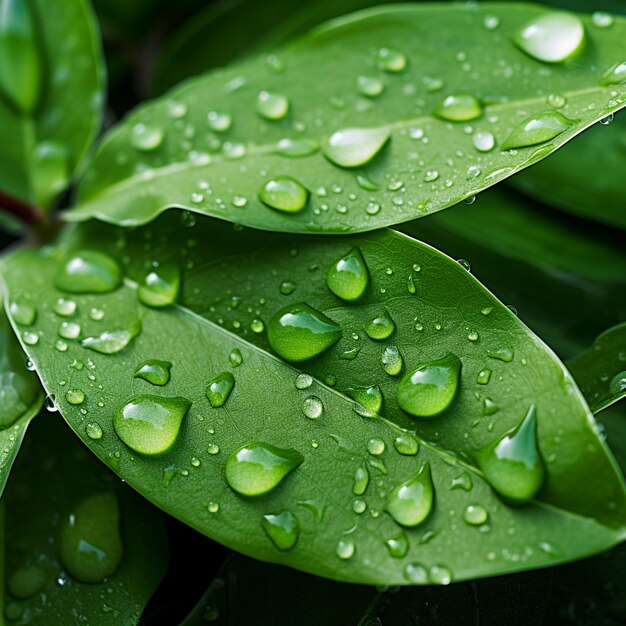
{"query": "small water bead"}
(359, 506)
(75, 396)
(304, 381)
(345, 549)
(150, 424)
(431, 176)
(491, 22)
(69, 330)
(22, 311)
(537, 129)
(284, 194)
(556, 100)
(257, 326)
(411, 502)
(287, 287)
(299, 332)
(94, 430)
(430, 388)
(154, 371)
(600, 19)
(348, 277)
(370, 86)
(439, 575)
(416, 573)
(89, 271)
(219, 388)
(30, 338)
(65, 307)
(282, 528)
(605, 121)
(160, 286)
(483, 376)
(370, 400)
(219, 122)
(617, 384)
(398, 546)
(50, 403)
(406, 444)
(297, 147)
(312, 407)
(475, 514)
(552, 37)
(213, 507)
(361, 480)
(89, 539)
(376, 446)
(195, 461)
(380, 327)
(459, 108)
(392, 360)
(502, 354)
(390, 60)
(146, 138)
(353, 147)
(490, 407)
(257, 468)
(484, 141)
(235, 357)
(109, 341)
(513, 465)
(462, 481)
(473, 336)
(615, 75)
(213, 449)
(272, 106)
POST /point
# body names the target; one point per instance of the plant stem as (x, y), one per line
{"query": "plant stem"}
(29, 215)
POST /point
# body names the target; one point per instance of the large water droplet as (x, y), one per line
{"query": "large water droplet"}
(160, 286)
(551, 37)
(299, 332)
(145, 137)
(353, 147)
(89, 271)
(459, 108)
(89, 540)
(411, 502)
(109, 341)
(282, 528)
(22, 311)
(431, 387)
(370, 399)
(272, 106)
(380, 327)
(615, 75)
(513, 464)
(347, 278)
(150, 424)
(154, 371)
(537, 129)
(284, 194)
(256, 468)
(219, 389)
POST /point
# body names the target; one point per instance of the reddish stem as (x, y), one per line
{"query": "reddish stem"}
(29, 215)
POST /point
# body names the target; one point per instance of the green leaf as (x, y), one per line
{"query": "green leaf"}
(600, 371)
(218, 326)
(54, 477)
(45, 142)
(212, 144)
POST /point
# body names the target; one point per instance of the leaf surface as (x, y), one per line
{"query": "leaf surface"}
(237, 279)
(43, 147)
(206, 148)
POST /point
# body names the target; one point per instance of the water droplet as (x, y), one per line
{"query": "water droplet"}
(89, 540)
(376, 446)
(390, 60)
(109, 341)
(282, 528)
(502, 354)
(370, 86)
(430, 388)
(484, 141)
(416, 573)
(235, 357)
(431, 176)
(406, 444)
(348, 277)
(27, 581)
(392, 360)
(154, 371)
(284, 194)
(483, 376)
(361, 480)
(551, 37)
(75, 396)
(556, 100)
(491, 22)
(69, 330)
(160, 286)
(219, 389)
(30, 338)
(486, 310)
(219, 122)
(411, 502)
(459, 108)
(287, 287)
(150, 424)
(64, 307)
(601, 19)
(93, 430)
(537, 129)
(439, 575)
(312, 407)
(462, 481)
(297, 147)
(605, 121)
(272, 106)
(513, 465)
(370, 400)
(617, 384)
(380, 327)
(299, 332)
(22, 311)
(213, 449)
(345, 548)
(256, 468)
(490, 407)
(398, 545)
(475, 514)
(213, 507)
(304, 381)
(353, 147)
(145, 137)
(615, 75)
(89, 271)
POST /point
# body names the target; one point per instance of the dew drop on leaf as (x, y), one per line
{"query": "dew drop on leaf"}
(369, 399)
(109, 341)
(353, 147)
(219, 122)
(145, 137)
(439, 575)
(398, 545)
(501, 354)
(284, 194)
(369, 86)
(94, 430)
(22, 311)
(536, 129)
(272, 106)
(348, 277)
(376, 446)
(410, 502)
(392, 360)
(89, 271)
(219, 388)
(416, 573)
(390, 60)
(160, 286)
(380, 327)
(475, 514)
(361, 480)
(65, 307)
(459, 108)
(312, 407)
(154, 371)
(282, 528)
(406, 444)
(615, 75)
(345, 549)
(75, 396)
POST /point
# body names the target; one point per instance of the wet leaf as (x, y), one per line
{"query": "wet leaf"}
(293, 453)
(380, 119)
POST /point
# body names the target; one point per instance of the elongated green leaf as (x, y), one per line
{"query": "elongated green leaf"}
(44, 144)
(54, 476)
(600, 371)
(235, 280)
(211, 145)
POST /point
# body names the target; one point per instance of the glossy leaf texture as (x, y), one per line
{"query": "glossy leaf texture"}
(381, 117)
(600, 371)
(45, 551)
(316, 441)
(45, 138)
(21, 398)
(566, 281)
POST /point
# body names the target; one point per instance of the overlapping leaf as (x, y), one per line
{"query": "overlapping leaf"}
(205, 147)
